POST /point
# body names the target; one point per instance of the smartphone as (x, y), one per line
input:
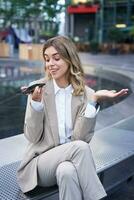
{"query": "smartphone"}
(30, 89)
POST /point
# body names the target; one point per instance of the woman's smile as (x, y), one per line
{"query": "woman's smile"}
(54, 71)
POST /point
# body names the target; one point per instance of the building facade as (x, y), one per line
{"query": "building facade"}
(92, 20)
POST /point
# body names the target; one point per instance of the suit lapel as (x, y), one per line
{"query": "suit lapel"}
(75, 105)
(50, 107)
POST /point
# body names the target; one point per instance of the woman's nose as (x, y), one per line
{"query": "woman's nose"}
(51, 62)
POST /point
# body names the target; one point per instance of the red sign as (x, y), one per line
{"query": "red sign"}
(82, 9)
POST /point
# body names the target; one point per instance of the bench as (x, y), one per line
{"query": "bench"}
(113, 152)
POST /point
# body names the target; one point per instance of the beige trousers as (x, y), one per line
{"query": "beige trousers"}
(71, 166)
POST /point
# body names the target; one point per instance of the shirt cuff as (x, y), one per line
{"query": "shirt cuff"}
(91, 110)
(37, 106)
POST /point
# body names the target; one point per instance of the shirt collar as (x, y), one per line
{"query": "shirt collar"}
(68, 89)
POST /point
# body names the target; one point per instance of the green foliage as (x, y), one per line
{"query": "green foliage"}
(36, 11)
(94, 46)
(115, 35)
(24, 9)
(131, 33)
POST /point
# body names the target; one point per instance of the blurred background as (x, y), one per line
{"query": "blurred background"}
(95, 25)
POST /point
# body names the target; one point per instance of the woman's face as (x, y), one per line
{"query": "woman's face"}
(55, 65)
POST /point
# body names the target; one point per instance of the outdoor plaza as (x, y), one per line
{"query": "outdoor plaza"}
(114, 128)
(103, 32)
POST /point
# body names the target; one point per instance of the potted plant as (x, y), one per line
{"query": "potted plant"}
(115, 36)
(94, 46)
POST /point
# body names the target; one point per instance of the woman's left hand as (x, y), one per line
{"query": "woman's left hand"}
(101, 95)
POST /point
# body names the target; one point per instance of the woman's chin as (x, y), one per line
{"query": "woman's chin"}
(55, 77)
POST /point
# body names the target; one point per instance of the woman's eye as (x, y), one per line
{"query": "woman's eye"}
(46, 60)
(58, 58)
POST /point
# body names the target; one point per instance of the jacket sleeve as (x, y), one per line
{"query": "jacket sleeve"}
(84, 126)
(34, 123)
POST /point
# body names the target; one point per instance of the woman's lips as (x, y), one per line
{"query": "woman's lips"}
(53, 71)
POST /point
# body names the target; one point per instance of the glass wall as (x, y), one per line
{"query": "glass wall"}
(117, 12)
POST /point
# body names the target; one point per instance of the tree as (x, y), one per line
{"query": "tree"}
(115, 35)
(34, 10)
(131, 33)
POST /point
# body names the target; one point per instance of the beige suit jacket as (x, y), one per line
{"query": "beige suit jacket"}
(41, 130)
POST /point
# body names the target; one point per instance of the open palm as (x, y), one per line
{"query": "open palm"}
(109, 94)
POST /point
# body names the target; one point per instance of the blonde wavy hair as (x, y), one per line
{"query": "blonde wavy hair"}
(68, 53)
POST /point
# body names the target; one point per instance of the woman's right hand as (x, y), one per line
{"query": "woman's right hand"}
(37, 94)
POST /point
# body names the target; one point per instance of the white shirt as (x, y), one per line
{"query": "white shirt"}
(63, 98)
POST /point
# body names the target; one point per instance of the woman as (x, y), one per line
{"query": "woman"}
(59, 124)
